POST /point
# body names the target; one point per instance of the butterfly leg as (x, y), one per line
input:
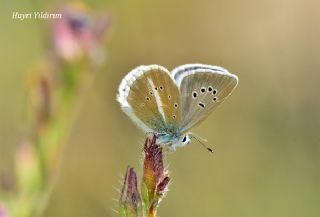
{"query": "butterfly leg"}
(172, 148)
(155, 133)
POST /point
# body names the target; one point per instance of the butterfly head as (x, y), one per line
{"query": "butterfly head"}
(172, 140)
(180, 141)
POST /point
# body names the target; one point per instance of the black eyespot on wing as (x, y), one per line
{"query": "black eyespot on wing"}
(202, 104)
(194, 94)
(214, 92)
(156, 88)
(176, 105)
(210, 88)
(203, 89)
(147, 98)
(173, 116)
(161, 88)
(214, 98)
(169, 97)
(151, 93)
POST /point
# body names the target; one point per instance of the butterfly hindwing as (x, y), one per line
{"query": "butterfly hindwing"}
(150, 97)
(202, 89)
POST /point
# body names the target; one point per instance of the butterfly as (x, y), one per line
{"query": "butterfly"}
(170, 104)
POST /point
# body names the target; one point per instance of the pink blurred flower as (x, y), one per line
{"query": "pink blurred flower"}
(27, 168)
(77, 34)
(3, 212)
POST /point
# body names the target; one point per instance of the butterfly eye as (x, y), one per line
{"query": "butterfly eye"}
(214, 92)
(203, 89)
(184, 139)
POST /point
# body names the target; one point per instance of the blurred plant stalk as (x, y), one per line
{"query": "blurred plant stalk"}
(56, 89)
(154, 184)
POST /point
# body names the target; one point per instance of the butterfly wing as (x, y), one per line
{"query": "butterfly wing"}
(151, 98)
(202, 89)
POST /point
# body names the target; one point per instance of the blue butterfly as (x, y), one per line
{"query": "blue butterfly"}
(170, 104)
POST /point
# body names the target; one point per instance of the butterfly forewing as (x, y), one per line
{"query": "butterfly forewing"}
(149, 95)
(202, 89)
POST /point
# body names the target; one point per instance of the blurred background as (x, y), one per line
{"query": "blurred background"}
(265, 136)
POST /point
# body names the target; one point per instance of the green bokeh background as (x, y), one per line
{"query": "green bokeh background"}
(266, 135)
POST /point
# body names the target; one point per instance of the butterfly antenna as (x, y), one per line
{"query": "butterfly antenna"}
(201, 141)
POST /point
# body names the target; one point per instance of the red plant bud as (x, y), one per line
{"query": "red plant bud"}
(130, 197)
(154, 170)
(155, 179)
(162, 186)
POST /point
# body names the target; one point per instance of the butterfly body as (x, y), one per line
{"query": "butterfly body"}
(170, 104)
